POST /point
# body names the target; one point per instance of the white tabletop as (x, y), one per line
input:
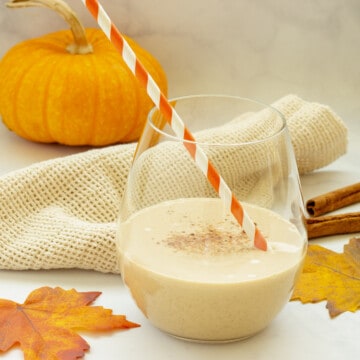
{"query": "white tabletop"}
(299, 331)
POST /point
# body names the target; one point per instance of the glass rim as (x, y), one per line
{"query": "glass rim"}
(233, 97)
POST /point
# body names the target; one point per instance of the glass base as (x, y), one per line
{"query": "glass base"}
(200, 341)
(212, 341)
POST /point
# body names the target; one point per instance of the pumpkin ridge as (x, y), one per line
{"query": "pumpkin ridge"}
(95, 113)
(62, 119)
(51, 43)
(96, 37)
(123, 87)
(17, 121)
(12, 77)
(68, 123)
(56, 42)
(46, 113)
(47, 75)
(49, 66)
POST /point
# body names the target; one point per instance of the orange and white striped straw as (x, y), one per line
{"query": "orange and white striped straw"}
(177, 125)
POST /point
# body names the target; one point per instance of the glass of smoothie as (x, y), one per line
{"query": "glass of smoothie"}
(188, 264)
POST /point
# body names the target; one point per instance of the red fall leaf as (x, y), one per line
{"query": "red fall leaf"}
(46, 325)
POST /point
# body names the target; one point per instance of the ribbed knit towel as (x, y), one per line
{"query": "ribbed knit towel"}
(62, 213)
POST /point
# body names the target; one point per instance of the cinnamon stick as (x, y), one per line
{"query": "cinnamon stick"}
(333, 224)
(333, 200)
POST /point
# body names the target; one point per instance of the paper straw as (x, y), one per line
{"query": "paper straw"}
(177, 125)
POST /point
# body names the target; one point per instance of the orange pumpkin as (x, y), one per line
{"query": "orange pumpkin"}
(53, 89)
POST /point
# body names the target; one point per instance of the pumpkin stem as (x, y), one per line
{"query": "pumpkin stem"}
(81, 44)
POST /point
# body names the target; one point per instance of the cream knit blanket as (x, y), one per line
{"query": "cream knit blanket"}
(62, 213)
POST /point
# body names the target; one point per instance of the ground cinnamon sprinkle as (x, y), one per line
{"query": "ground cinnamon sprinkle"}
(210, 241)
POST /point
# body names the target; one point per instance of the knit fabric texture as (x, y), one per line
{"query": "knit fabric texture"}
(63, 213)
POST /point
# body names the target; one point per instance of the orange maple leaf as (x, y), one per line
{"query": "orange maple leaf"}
(45, 325)
(331, 276)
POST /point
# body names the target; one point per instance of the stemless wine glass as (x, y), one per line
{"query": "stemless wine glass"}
(188, 264)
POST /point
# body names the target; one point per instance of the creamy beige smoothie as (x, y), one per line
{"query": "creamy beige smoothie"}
(195, 274)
